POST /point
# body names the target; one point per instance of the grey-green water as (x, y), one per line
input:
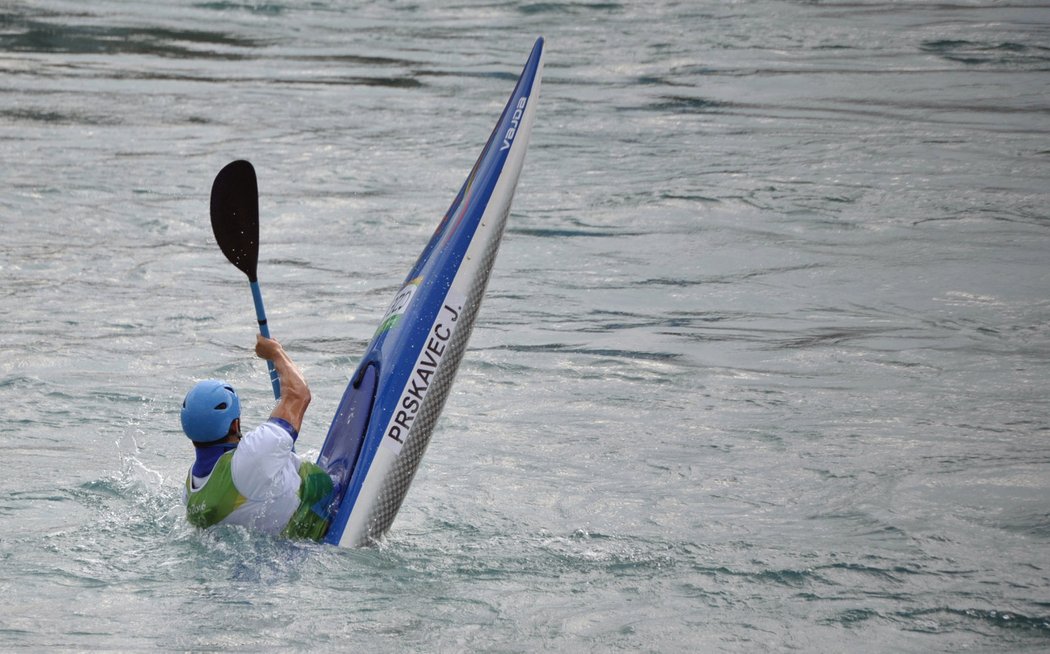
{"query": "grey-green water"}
(763, 364)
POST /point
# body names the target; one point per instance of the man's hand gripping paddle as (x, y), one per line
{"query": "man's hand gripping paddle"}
(235, 221)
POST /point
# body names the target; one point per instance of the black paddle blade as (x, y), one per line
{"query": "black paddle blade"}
(235, 216)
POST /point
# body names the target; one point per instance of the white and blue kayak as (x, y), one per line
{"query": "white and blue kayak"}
(388, 412)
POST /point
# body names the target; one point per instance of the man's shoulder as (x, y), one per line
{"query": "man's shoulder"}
(285, 425)
(264, 456)
(268, 436)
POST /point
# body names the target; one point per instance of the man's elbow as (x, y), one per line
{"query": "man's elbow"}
(298, 395)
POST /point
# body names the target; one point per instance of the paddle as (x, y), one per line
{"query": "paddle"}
(235, 221)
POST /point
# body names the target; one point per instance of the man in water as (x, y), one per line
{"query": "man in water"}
(255, 480)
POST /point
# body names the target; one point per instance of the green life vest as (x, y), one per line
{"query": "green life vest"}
(218, 498)
(310, 520)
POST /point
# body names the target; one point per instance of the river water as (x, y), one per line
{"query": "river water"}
(763, 365)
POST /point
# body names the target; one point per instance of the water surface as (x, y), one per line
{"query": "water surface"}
(762, 366)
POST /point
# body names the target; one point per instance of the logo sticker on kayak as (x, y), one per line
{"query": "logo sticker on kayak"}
(434, 350)
(515, 123)
(399, 305)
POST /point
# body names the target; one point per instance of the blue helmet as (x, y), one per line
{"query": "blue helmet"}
(208, 411)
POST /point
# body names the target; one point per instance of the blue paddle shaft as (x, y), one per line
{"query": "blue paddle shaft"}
(260, 314)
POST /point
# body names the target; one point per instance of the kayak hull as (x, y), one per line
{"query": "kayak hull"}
(385, 420)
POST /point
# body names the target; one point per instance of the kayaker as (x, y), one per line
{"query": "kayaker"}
(255, 479)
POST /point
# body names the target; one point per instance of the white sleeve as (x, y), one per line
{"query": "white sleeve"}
(264, 465)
